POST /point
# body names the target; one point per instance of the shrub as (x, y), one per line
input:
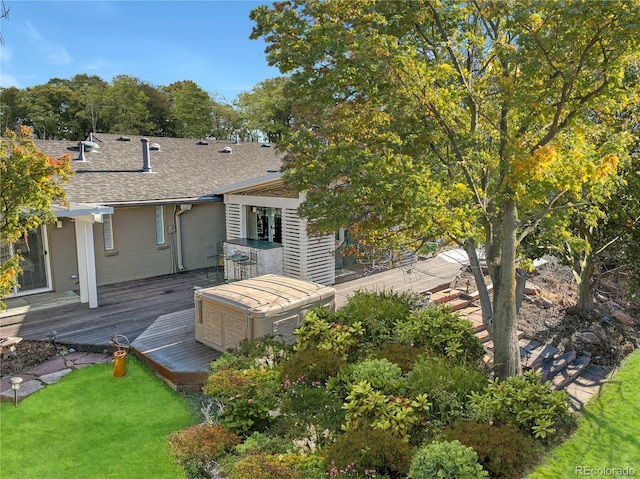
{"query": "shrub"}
(378, 313)
(261, 466)
(380, 373)
(448, 385)
(504, 451)
(227, 383)
(247, 414)
(248, 396)
(404, 355)
(369, 450)
(442, 331)
(262, 353)
(312, 365)
(320, 331)
(526, 402)
(303, 405)
(196, 446)
(446, 460)
(366, 407)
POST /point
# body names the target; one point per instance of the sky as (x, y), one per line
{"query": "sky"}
(158, 42)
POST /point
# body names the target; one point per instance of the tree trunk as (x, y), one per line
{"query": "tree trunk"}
(505, 336)
(483, 292)
(584, 275)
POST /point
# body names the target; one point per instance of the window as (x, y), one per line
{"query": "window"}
(159, 225)
(269, 224)
(107, 232)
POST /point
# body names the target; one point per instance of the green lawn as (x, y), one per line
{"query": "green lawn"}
(608, 437)
(92, 425)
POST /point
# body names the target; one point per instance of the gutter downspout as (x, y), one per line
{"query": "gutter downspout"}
(183, 209)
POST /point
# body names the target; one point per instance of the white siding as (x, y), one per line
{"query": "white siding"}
(309, 258)
(233, 221)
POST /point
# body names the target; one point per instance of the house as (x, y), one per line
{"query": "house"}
(138, 208)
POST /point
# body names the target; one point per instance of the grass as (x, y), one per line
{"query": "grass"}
(91, 424)
(607, 436)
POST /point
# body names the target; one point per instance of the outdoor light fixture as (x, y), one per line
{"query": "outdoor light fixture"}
(15, 385)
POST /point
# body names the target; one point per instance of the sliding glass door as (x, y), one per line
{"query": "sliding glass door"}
(35, 264)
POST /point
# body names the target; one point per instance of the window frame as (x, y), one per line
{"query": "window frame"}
(107, 232)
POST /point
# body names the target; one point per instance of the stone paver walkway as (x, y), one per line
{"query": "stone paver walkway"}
(49, 372)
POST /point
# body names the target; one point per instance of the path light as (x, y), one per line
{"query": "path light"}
(15, 385)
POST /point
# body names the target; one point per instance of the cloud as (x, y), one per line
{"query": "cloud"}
(53, 52)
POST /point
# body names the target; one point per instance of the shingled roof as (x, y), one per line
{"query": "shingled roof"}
(183, 169)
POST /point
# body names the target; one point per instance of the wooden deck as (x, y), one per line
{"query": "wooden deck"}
(157, 317)
(125, 308)
(170, 348)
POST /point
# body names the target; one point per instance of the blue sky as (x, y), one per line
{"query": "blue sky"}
(159, 42)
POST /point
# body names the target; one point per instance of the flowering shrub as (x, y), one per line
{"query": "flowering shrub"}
(312, 364)
(248, 396)
(368, 453)
(198, 445)
(276, 466)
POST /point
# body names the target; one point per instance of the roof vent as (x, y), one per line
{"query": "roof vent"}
(272, 171)
(146, 164)
(93, 138)
(227, 149)
(202, 142)
(81, 156)
(90, 146)
(265, 145)
(154, 146)
(123, 138)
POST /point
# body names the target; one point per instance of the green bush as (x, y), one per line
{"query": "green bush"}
(366, 407)
(227, 383)
(320, 331)
(248, 395)
(312, 365)
(442, 331)
(196, 446)
(380, 373)
(446, 460)
(369, 450)
(261, 466)
(378, 313)
(449, 386)
(264, 352)
(404, 355)
(504, 451)
(526, 402)
(302, 406)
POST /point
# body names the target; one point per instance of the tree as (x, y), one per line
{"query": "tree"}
(30, 182)
(267, 108)
(190, 109)
(463, 120)
(226, 121)
(88, 92)
(48, 110)
(124, 107)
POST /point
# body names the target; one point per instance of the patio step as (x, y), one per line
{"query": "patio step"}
(458, 304)
(566, 376)
(559, 370)
(555, 364)
(533, 358)
(445, 296)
